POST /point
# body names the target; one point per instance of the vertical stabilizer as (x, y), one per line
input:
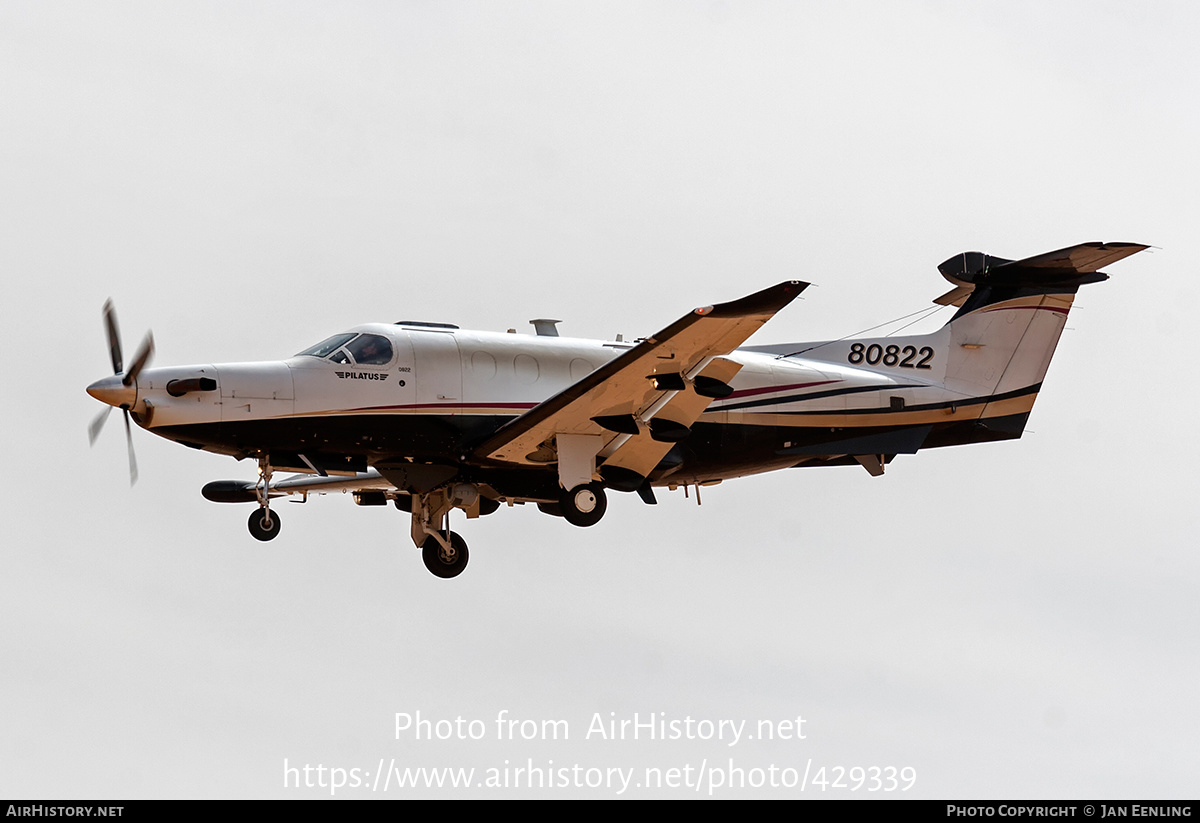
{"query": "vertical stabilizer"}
(1011, 315)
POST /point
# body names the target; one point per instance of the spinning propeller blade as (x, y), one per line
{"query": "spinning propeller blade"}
(97, 424)
(133, 473)
(114, 335)
(144, 353)
(104, 390)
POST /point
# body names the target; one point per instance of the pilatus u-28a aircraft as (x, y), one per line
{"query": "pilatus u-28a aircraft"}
(435, 418)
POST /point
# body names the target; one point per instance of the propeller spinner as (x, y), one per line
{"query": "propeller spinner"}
(120, 390)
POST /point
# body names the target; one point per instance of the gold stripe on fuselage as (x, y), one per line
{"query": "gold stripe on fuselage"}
(970, 409)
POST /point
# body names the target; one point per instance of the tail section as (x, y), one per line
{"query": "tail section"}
(1012, 313)
(973, 380)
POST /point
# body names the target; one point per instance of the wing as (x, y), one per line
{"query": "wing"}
(633, 409)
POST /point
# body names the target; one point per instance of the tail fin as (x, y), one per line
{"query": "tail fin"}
(1011, 315)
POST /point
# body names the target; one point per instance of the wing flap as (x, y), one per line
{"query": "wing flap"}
(642, 454)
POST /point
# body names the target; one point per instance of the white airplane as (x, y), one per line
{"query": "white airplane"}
(434, 418)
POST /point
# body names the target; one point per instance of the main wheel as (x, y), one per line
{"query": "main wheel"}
(444, 563)
(584, 505)
(550, 508)
(264, 525)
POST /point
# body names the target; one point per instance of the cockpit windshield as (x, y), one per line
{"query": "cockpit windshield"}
(323, 348)
(359, 349)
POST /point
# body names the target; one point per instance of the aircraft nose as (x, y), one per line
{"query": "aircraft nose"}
(112, 391)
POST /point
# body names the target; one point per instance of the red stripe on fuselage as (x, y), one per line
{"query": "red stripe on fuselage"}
(1057, 309)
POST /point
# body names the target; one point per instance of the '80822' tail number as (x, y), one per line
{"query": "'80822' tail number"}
(901, 357)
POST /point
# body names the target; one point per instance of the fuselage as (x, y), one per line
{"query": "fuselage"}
(439, 390)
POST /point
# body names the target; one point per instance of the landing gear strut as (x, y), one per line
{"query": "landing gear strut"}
(264, 525)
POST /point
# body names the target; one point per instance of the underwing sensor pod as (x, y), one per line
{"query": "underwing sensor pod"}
(432, 418)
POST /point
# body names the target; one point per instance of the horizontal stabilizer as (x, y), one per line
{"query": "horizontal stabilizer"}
(1063, 270)
(1081, 259)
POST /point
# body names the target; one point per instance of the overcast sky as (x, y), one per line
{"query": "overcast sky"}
(1008, 620)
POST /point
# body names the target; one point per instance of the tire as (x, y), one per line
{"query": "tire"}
(553, 509)
(584, 505)
(257, 527)
(435, 556)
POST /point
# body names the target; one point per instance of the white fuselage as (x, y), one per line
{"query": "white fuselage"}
(459, 372)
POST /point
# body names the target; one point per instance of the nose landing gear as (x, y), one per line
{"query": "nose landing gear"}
(263, 524)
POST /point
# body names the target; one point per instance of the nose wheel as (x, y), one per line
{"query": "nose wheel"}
(445, 554)
(264, 524)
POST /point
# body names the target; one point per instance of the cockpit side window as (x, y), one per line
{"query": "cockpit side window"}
(371, 350)
(323, 348)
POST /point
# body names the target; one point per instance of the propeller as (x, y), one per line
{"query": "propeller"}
(120, 390)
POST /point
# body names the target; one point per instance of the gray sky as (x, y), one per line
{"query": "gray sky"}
(1009, 620)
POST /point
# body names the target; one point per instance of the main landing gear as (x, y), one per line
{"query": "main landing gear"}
(583, 505)
(445, 554)
(443, 551)
(264, 524)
